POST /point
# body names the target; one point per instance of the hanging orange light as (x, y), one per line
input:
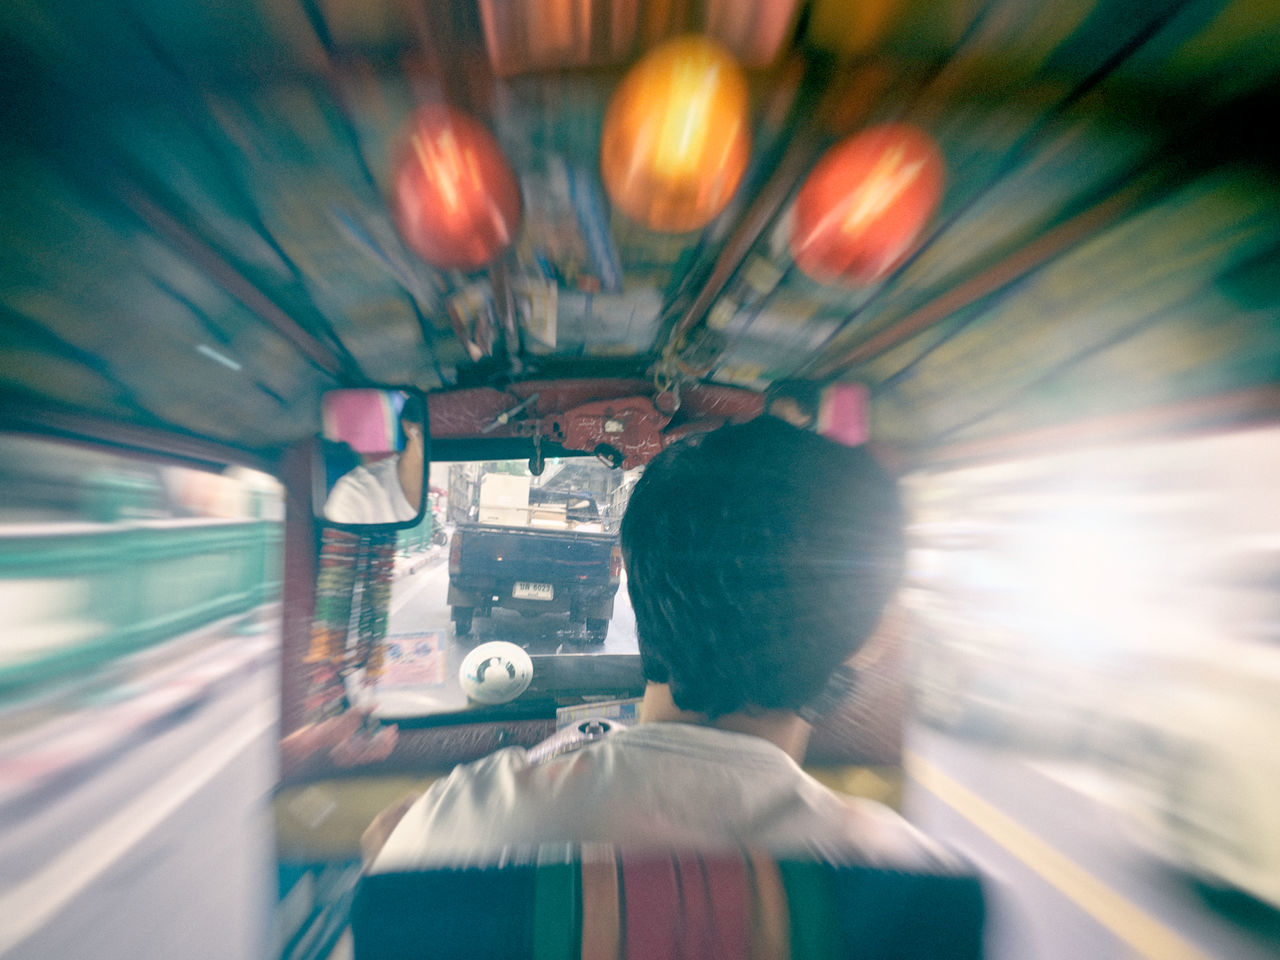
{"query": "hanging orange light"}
(456, 199)
(865, 203)
(677, 135)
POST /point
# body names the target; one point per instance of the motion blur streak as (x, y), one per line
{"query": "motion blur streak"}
(38, 900)
(138, 704)
(1116, 608)
(1144, 934)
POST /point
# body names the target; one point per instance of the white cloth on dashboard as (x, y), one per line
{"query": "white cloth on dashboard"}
(369, 494)
(668, 784)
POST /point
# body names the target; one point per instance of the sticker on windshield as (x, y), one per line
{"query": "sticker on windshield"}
(414, 659)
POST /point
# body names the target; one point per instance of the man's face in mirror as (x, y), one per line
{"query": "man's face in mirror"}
(385, 484)
(411, 466)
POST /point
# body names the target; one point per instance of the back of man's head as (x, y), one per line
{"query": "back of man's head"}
(759, 557)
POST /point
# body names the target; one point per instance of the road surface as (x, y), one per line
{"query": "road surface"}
(1071, 874)
(137, 823)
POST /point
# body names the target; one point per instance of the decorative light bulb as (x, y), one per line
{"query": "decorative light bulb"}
(456, 199)
(677, 135)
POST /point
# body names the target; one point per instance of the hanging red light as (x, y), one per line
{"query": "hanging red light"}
(865, 203)
(677, 135)
(456, 199)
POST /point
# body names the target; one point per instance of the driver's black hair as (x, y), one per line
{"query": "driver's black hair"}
(759, 558)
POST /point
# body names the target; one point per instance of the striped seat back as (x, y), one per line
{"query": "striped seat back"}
(597, 902)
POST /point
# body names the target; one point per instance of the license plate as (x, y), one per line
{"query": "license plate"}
(533, 591)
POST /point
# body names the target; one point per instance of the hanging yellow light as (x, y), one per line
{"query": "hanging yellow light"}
(677, 135)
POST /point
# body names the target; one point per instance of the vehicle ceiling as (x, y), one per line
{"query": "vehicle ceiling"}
(196, 232)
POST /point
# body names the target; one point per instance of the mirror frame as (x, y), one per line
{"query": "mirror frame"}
(319, 488)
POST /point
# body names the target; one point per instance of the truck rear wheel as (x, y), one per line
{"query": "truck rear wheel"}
(597, 629)
(462, 620)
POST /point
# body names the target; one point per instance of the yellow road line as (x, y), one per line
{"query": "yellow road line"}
(1144, 934)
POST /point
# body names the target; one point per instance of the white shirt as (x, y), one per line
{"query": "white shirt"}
(370, 494)
(668, 784)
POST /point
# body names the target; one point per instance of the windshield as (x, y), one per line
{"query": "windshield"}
(504, 555)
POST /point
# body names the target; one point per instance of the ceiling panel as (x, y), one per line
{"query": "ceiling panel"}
(197, 232)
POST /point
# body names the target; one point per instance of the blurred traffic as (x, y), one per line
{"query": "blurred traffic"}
(1118, 608)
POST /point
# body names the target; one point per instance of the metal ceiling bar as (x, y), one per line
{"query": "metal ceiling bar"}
(1202, 137)
(49, 341)
(1017, 154)
(798, 154)
(1012, 269)
(118, 184)
(215, 140)
(216, 334)
(190, 102)
(756, 220)
(235, 283)
(20, 415)
(1058, 369)
(346, 128)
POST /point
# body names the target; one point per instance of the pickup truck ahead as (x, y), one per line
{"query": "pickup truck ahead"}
(534, 551)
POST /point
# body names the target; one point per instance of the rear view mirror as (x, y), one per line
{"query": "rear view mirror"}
(371, 461)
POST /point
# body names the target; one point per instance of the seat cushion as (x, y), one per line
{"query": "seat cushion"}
(662, 905)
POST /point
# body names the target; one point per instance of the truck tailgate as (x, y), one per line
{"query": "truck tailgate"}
(543, 556)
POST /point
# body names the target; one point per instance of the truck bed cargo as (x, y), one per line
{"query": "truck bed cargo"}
(534, 552)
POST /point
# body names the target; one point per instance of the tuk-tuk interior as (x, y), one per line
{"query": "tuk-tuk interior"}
(1028, 252)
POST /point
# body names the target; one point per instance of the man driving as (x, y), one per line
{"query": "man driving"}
(387, 490)
(759, 558)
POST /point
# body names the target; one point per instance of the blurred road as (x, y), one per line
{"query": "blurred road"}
(1072, 876)
(135, 819)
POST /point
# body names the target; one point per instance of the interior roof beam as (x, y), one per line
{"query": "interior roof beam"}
(239, 286)
(802, 147)
(19, 415)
